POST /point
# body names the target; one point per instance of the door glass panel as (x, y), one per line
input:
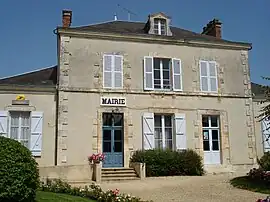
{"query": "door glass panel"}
(118, 119)
(206, 146)
(107, 119)
(118, 135)
(215, 145)
(214, 121)
(168, 144)
(205, 122)
(158, 143)
(107, 147)
(157, 121)
(215, 135)
(117, 146)
(107, 135)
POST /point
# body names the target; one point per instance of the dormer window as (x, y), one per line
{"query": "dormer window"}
(160, 26)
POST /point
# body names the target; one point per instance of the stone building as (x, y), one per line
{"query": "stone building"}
(123, 86)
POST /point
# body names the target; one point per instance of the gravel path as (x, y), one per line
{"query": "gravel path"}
(192, 189)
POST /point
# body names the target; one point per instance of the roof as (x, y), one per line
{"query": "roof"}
(258, 91)
(137, 29)
(42, 77)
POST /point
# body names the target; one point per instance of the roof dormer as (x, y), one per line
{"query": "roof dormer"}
(158, 24)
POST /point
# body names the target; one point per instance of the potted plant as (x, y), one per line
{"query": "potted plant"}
(96, 158)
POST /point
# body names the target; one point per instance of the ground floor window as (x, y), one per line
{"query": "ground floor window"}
(163, 131)
(20, 127)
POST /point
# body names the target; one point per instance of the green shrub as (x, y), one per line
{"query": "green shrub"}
(264, 161)
(19, 177)
(169, 163)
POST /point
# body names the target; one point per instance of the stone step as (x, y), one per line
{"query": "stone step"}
(118, 175)
(116, 169)
(122, 178)
(118, 172)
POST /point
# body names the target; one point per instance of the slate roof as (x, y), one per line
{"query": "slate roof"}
(42, 77)
(258, 91)
(137, 29)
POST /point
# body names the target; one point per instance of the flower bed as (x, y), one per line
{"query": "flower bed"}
(92, 192)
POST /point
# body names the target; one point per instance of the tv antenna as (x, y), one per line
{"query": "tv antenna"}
(128, 11)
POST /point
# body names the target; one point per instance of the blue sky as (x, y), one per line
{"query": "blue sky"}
(28, 42)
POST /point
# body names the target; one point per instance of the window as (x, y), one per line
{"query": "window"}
(112, 71)
(20, 127)
(162, 74)
(160, 26)
(163, 131)
(208, 74)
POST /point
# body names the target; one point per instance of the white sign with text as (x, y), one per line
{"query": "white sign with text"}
(113, 101)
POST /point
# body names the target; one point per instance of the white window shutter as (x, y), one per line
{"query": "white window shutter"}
(177, 74)
(3, 123)
(180, 131)
(36, 133)
(148, 73)
(118, 71)
(204, 76)
(213, 76)
(107, 71)
(266, 134)
(148, 131)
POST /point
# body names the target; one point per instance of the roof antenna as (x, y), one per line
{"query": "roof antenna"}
(115, 17)
(128, 11)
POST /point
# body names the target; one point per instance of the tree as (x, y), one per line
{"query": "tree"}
(265, 110)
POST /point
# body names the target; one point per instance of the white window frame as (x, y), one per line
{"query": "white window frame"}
(113, 71)
(163, 130)
(208, 76)
(161, 74)
(159, 26)
(20, 127)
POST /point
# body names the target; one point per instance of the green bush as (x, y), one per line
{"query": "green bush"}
(19, 177)
(264, 161)
(169, 163)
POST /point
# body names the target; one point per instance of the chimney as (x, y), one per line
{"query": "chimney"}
(213, 28)
(66, 18)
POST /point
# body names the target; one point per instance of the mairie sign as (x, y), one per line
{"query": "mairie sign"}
(113, 101)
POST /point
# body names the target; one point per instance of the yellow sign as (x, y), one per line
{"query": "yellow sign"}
(20, 97)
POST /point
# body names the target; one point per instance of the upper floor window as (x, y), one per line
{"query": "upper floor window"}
(208, 76)
(112, 71)
(160, 26)
(162, 74)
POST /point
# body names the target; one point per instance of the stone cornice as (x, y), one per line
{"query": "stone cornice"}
(161, 93)
(27, 89)
(150, 39)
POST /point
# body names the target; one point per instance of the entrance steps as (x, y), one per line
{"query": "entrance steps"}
(118, 174)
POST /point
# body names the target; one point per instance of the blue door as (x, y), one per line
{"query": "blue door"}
(113, 140)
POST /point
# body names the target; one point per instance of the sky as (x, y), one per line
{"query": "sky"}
(27, 41)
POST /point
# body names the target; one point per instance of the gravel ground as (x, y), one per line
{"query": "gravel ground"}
(193, 189)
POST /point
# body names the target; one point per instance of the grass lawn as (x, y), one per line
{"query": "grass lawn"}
(245, 183)
(53, 197)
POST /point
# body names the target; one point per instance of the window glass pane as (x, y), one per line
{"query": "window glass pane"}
(107, 135)
(166, 74)
(214, 121)
(157, 120)
(168, 133)
(107, 119)
(158, 133)
(118, 135)
(215, 145)
(204, 84)
(205, 135)
(157, 84)
(118, 119)
(215, 135)
(168, 121)
(163, 22)
(166, 64)
(163, 32)
(118, 146)
(107, 79)
(107, 146)
(156, 74)
(205, 122)
(206, 146)
(156, 20)
(14, 132)
(158, 144)
(203, 68)
(156, 31)
(168, 144)
(212, 69)
(213, 83)
(156, 63)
